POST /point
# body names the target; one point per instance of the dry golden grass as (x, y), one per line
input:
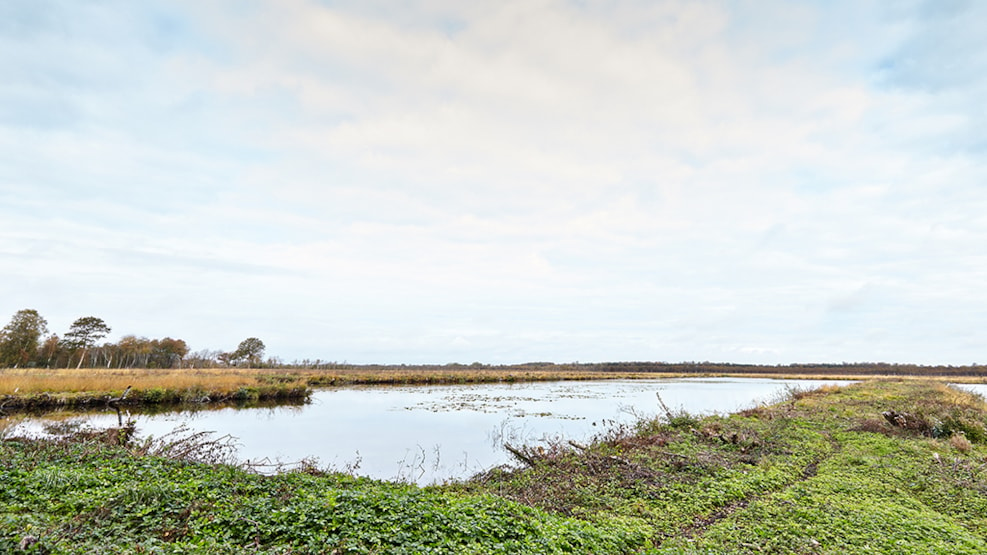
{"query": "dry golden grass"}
(30, 381)
(961, 443)
(961, 398)
(89, 380)
(851, 377)
(436, 376)
(24, 382)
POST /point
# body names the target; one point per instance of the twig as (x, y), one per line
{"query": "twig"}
(114, 401)
(116, 406)
(519, 455)
(664, 407)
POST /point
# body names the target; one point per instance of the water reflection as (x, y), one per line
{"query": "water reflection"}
(978, 388)
(433, 433)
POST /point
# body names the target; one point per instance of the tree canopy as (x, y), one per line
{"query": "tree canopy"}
(86, 331)
(19, 339)
(250, 351)
(84, 334)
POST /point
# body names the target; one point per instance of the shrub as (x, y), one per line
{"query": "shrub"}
(960, 443)
(154, 395)
(953, 424)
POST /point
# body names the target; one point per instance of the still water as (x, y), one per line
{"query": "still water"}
(428, 434)
(978, 388)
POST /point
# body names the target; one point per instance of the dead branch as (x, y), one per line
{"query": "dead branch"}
(115, 403)
(519, 455)
(664, 407)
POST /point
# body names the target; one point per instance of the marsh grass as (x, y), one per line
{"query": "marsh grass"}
(39, 389)
(30, 381)
(415, 376)
(27, 382)
(49, 388)
(33, 381)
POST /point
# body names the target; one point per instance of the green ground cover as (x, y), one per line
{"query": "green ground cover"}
(876, 467)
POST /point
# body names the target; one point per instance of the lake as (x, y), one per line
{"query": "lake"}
(428, 434)
(978, 388)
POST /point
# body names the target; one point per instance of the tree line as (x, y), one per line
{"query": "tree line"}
(26, 342)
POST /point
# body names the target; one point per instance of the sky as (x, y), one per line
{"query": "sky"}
(436, 181)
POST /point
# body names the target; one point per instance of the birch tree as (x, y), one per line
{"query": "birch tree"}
(84, 334)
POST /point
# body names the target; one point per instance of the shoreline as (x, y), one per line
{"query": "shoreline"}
(35, 390)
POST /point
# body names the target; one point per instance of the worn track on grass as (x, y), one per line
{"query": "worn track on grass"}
(701, 524)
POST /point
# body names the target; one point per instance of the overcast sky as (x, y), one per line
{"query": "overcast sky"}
(502, 181)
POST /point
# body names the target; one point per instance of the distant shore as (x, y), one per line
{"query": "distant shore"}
(39, 389)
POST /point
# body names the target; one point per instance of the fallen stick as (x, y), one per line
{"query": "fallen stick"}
(519, 455)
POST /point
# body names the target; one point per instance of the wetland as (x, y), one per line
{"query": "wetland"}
(428, 434)
(876, 466)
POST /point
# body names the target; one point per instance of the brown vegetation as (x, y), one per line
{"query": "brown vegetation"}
(42, 388)
(36, 389)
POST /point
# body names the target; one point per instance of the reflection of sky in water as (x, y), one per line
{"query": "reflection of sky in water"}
(429, 433)
(979, 388)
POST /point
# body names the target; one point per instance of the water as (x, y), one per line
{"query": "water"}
(428, 434)
(980, 388)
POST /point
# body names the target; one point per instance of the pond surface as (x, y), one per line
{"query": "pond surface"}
(428, 434)
(979, 388)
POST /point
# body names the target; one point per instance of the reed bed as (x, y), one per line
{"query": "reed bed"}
(46, 388)
(400, 376)
(52, 388)
(37, 389)
(111, 381)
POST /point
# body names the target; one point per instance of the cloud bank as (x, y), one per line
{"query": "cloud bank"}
(502, 181)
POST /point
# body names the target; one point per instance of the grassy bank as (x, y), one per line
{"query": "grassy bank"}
(44, 389)
(89, 497)
(819, 472)
(876, 467)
